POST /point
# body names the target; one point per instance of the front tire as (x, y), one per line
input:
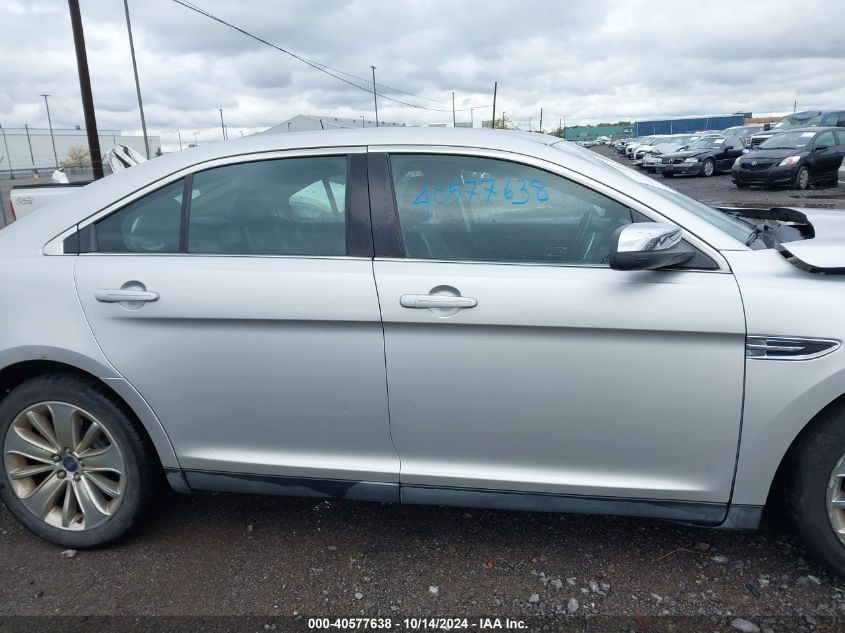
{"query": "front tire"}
(74, 468)
(815, 494)
(708, 168)
(802, 179)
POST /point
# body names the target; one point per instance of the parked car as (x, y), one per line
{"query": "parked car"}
(630, 147)
(646, 148)
(799, 158)
(27, 198)
(232, 316)
(842, 174)
(667, 145)
(743, 132)
(705, 157)
(810, 118)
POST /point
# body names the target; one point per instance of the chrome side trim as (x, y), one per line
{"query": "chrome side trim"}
(565, 172)
(788, 347)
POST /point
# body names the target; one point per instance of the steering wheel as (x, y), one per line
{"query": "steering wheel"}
(580, 243)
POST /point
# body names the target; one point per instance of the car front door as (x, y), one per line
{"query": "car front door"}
(518, 362)
(731, 150)
(239, 301)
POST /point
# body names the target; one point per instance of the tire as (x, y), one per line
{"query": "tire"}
(803, 179)
(667, 175)
(741, 185)
(708, 168)
(120, 460)
(809, 469)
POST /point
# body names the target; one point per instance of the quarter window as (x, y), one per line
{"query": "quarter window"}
(480, 209)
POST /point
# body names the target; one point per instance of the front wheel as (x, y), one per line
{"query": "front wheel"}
(816, 487)
(74, 468)
(802, 179)
(708, 168)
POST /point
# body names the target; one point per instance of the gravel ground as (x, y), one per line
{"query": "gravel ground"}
(271, 563)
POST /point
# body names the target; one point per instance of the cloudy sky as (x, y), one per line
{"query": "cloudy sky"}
(590, 61)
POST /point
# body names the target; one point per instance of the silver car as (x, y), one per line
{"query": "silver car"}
(451, 317)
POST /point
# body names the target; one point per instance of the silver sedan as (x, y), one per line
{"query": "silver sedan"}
(454, 317)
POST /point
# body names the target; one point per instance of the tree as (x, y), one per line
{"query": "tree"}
(77, 156)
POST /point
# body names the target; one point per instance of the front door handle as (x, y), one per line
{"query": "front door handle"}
(124, 294)
(426, 302)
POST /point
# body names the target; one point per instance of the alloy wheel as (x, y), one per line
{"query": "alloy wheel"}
(836, 499)
(64, 466)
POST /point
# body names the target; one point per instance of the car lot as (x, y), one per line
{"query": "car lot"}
(275, 557)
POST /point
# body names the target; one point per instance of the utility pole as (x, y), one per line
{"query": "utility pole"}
(362, 121)
(503, 119)
(223, 127)
(29, 142)
(8, 155)
(375, 99)
(495, 86)
(85, 89)
(137, 83)
(180, 139)
(472, 117)
(541, 120)
(560, 127)
(794, 106)
(50, 123)
(453, 109)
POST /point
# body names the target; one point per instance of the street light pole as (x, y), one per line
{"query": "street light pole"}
(222, 127)
(472, 117)
(375, 96)
(453, 109)
(50, 123)
(137, 83)
(179, 134)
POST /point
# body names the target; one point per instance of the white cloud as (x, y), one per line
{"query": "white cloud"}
(589, 61)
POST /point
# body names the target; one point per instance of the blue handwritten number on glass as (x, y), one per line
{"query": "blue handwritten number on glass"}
(470, 192)
(455, 189)
(490, 189)
(540, 191)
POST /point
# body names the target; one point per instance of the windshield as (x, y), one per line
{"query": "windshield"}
(792, 121)
(788, 140)
(708, 143)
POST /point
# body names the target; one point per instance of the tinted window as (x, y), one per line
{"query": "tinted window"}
(466, 208)
(826, 139)
(149, 225)
(293, 206)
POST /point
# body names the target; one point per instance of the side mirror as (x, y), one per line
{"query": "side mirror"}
(647, 246)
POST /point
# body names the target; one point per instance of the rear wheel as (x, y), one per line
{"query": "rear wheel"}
(802, 179)
(708, 168)
(75, 469)
(815, 491)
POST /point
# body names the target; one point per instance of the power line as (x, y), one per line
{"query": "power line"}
(323, 68)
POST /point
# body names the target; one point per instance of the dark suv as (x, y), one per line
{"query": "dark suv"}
(797, 157)
(810, 118)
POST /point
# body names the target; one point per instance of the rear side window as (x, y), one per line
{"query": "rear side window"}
(292, 206)
(481, 209)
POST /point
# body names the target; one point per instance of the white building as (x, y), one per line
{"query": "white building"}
(28, 149)
(311, 123)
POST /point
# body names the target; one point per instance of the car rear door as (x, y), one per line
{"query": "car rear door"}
(518, 362)
(239, 301)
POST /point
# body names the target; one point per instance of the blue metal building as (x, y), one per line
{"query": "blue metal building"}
(694, 124)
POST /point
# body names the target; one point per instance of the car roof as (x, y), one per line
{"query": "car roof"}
(811, 128)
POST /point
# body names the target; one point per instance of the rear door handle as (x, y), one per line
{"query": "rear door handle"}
(122, 294)
(426, 302)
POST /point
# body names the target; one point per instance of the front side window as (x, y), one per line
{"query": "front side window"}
(291, 206)
(481, 209)
(826, 139)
